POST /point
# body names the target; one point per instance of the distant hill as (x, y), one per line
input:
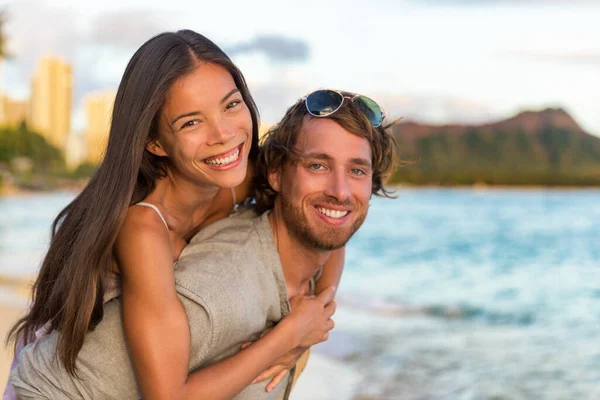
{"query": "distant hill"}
(533, 148)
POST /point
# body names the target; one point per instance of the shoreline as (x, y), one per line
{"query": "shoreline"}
(10, 191)
(484, 187)
(13, 192)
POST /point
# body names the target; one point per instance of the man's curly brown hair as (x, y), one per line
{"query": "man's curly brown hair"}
(277, 147)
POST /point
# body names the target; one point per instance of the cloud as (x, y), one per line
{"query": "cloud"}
(468, 3)
(274, 99)
(98, 48)
(277, 48)
(128, 29)
(434, 109)
(588, 58)
(34, 29)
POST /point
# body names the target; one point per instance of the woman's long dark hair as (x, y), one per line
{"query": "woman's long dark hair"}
(69, 288)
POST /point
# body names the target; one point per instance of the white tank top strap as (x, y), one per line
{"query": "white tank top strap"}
(152, 206)
(235, 204)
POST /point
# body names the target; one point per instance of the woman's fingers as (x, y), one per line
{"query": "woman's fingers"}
(273, 384)
(246, 345)
(269, 373)
(330, 325)
(330, 309)
(325, 337)
(327, 295)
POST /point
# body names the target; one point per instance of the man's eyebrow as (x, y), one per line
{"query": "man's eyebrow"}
(318, 156)
(361, 161)
(324, 156)
(234, 90)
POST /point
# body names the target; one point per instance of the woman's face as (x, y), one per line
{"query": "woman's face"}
(205, 128)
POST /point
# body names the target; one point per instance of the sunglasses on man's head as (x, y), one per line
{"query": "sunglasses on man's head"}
(324, 102)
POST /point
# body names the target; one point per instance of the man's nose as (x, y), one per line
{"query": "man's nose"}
(339, 186)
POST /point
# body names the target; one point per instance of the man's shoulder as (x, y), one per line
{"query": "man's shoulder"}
(217, 255)
(233, 228)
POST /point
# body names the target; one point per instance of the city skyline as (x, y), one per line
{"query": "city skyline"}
(50, 100)
(48, 111)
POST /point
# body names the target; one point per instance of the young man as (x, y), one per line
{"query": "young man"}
(316, 173)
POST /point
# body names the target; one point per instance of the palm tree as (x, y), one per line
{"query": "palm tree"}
(3, 54)
(2, 36)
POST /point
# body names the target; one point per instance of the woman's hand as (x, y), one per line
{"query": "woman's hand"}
(309, 322)
(310, 317)
(280, 368)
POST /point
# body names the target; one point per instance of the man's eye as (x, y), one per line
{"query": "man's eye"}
(357, 171)
(316, 167)
(233, 104)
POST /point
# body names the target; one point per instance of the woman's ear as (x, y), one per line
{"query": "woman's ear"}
(156, 148)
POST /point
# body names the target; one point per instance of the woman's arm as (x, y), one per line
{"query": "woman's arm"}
(332, 270)
(157, 330)
(330, 276)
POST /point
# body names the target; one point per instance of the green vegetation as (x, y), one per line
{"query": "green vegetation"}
(84, 170)
(524, 151)
(31, 162)
(3, 38)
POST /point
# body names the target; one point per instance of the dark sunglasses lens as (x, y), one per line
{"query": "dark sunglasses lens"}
(323, 102)
(370, 109)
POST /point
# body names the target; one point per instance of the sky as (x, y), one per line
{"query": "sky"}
(433, 61)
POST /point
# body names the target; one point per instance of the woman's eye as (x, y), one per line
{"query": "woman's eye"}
(189, 123)
(233, 104)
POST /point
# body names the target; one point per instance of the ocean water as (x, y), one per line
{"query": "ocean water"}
(446, 294)
(463, 294)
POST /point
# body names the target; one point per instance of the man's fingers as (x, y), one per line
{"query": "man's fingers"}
(327, 295)
(273, 384)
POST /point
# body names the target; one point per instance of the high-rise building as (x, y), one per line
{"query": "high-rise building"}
(51, 100)
(98, 111)
(14, 111)
(75, 150)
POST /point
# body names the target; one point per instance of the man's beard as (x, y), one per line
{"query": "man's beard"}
(322, 237)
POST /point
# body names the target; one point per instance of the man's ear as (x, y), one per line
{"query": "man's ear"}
(274, 178)
(156, 148)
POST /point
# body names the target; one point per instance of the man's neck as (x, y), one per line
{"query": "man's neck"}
(300, 261)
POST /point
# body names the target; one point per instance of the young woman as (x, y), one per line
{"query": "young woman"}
(184, 133)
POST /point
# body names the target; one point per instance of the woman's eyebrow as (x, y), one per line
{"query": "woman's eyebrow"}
(229, 94)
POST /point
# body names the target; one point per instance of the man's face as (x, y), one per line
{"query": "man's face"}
(324, 197)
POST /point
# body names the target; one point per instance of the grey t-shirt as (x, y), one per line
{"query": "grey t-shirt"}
(230, 281)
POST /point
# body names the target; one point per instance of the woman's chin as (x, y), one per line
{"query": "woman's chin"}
(230, 179)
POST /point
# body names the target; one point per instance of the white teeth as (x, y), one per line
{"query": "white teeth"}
(332, 213)
(224, 161)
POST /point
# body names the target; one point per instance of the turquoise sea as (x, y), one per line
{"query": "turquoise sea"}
(446, 294)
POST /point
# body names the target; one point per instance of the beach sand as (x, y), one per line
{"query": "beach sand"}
(9, 314)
